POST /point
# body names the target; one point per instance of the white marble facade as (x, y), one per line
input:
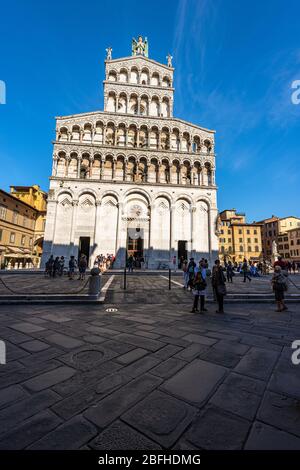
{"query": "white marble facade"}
(132, 177)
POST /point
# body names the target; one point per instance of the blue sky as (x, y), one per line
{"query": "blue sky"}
(234, 64)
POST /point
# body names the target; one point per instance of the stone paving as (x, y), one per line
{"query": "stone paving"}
(149, 376)
(138, 283)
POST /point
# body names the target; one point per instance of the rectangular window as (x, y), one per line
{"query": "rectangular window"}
(240, 240)
(15, 217)
(2, 212)
(23, 239)
(249, 248)
(248, 232)
(229, 240)
(1, 231)
(255, 232)
(256, 248)
(255, 240)
(12, 237)
(240, 232)
(249, 240)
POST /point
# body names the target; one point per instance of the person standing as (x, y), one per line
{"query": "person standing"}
(279, 283)
(130, 264)
(61, 265)
(229, 271)
(185, 274)
(174, 263)
(218, 282)
(72, 265)
(199, 289)
(82, 267)
(245, 270)
(191, 272)
(294, 267)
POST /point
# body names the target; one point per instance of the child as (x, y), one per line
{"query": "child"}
(279, 283)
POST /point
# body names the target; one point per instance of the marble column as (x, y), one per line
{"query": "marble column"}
(97, 231)
(73, 227)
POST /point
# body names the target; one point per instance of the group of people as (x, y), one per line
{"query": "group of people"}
(195, 278)
(56, 267)
(135, 261)
(104, 262)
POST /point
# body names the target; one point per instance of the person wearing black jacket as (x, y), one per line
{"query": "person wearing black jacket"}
(218, 283)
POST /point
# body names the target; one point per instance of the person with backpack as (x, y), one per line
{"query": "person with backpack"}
(199, 288)
(280, 285)
(191, 273)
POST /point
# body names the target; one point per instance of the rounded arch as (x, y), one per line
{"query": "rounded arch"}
(165, 195)
(185, 197)
(111, 193)
(89, 191)
(65, 192)
(138, 191)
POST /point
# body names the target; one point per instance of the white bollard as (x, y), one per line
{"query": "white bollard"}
(95, 282)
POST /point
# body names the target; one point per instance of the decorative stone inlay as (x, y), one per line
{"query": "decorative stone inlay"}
(87, 357)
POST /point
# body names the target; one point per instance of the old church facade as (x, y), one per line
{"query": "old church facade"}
(133, 179)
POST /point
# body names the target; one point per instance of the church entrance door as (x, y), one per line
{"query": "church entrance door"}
(135, 244)
(84, 247)
(182, 251)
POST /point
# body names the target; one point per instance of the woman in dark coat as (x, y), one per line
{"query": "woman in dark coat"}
(218, 283)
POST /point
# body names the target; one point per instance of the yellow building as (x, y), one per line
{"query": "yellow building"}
(238, 239)
(294, 244)
(22, 216)
(37, 198)
(277, 229)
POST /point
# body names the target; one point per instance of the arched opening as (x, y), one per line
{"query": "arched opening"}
(154, 138)
(120, 167)
(98, 136)
(63, 134)
(165, 138)
(132, 136)
(75, 133)
(110, 134)
(122, 103)
(165, 107)
(121, 135)
(87, 133)
(175, 141)
(108, 168)
(123, 76)
(155, 79)
(134, 75)
(154, 106)
(112, 76)
(111, 102)
(145, 77)
(133, 105)
(144, 106)
(143, 137)
(166, 82)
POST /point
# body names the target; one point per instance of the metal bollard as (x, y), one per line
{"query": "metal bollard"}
(124, 279)
(95, 282)
(169, 279)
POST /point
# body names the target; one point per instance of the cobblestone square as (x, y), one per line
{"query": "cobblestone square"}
(150, 375)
